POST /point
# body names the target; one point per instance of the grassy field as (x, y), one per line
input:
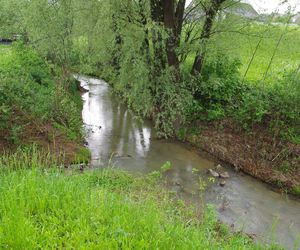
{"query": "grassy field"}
(5, 53)
(46, 208)
(242, 45)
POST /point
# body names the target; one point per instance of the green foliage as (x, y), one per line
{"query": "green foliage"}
(221, 94)
(19, 72)
(296, 190)
(83, 155)
(166, 167)
(11, 16)
(120, 42)
(28, 91)
(103, 209)
(15, 134)
(66, 114)
(276, 105)
(218, 87)
(173, 105)
(285, 167)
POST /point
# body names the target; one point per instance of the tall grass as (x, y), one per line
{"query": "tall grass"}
(101, 209)
(237, 40)
(243, 44)
(29, 157)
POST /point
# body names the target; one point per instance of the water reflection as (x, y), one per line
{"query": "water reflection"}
(114, 135)
(112, 132)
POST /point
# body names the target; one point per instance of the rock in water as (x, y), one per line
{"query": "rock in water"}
(224, 175)
(222, 183)
(219, 168)
(213, 173)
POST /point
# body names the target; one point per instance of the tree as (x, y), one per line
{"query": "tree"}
(210, 14)
(139, 45)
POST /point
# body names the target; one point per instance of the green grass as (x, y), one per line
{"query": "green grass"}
(5, 53)
(269, 99)
(83, 155)
(101, 209)
(242, 44)
(296, 190)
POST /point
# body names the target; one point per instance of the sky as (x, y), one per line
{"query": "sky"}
(269, 6)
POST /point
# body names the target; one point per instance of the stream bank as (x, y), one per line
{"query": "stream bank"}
(115, 138)
(273, 161)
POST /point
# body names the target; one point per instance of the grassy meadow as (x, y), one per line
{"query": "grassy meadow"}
(251, 74)
(242, 46)
(241, 42)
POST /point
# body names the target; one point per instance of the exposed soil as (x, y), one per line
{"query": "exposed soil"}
(271, 160)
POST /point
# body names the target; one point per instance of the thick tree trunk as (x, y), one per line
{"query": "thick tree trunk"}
(179, 19)
(205, 35)
(173, 21)
(170, 15)
(157, 15)
(170, 25)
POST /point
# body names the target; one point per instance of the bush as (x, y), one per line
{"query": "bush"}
(220, 93)
(218, 88)
(276, 106)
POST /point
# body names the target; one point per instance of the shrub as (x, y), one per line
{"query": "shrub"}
(276, 105)
(219, 87)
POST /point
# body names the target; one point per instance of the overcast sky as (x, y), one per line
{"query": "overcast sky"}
(269, 6)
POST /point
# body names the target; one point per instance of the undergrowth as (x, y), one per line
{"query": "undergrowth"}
(221, 94)
(30, 94)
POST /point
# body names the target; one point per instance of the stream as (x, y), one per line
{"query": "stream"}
(116, 138)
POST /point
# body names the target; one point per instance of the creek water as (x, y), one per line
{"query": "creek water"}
(116, 138)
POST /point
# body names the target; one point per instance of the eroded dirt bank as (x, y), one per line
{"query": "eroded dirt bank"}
(274, 161)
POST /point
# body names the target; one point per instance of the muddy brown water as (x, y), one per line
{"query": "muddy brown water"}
(116, 138)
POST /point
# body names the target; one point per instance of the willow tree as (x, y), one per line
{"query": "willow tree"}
(141, 47)
(12, 17)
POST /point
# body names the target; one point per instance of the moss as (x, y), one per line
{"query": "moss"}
(285, 167)
(296, 190)
(83, 155)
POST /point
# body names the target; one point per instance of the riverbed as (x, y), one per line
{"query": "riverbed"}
(117, 139)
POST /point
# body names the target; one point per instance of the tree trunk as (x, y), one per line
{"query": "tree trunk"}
(118, 44)
(170, 15)
(170, 25)
(205, 35)
(157, 15)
